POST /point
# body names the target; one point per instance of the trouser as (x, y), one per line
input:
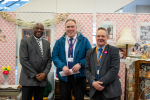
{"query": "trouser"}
(78, 85)
(100, 96)
(27, 92)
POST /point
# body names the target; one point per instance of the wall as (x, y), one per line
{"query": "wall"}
(8, 49)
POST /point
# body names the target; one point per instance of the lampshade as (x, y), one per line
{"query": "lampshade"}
(125, 38)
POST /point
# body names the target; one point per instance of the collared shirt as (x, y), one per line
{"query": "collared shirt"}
(67, 45)
(40, 41)
(99, 50)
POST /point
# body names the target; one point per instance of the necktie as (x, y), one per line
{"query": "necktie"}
(70, 54)
(100, 51)
(40, 47)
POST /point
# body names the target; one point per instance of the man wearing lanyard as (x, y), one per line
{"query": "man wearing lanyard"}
(102, 65)
(69, 54)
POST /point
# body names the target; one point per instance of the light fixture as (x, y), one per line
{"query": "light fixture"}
(5, 1)
(124, 41)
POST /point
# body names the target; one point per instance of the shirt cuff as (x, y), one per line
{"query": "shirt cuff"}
(93, 82)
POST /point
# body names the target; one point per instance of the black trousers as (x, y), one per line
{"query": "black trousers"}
(78, 85)
(27, 92)
(100, 96)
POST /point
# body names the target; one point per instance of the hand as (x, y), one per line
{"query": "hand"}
(40, 76)
(66, 70)
(97, 85)
(76, 67)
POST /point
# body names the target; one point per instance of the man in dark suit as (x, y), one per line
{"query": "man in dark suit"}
(102, 65)
(35, 58)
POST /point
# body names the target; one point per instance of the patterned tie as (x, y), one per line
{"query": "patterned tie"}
(100, 51)
(38, 41)
(70, 53)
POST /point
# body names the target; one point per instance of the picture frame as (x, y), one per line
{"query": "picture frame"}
(143, 32)
(28, 32)
(110, 26)
(122, 54)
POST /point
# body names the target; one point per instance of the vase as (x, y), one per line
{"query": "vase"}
(5, 80)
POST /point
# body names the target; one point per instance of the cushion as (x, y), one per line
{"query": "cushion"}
(47, 89)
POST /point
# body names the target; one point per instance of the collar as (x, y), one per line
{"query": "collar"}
(37, 38)
(69, 37)
(99, 47)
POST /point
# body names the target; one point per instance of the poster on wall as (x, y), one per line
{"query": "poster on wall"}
(110, 26)
(143, 32)
(28, 32)
(122, 54)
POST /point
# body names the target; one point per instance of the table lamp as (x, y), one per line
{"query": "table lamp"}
(124, 41)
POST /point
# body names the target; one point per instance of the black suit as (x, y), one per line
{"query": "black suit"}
(33, 63)
(109, 68)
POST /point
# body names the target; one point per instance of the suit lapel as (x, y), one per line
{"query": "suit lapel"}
(95, 61)
(44, 48)
(104, 56)
(36, 46)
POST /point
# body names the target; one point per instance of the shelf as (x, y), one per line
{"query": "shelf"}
(144, 76)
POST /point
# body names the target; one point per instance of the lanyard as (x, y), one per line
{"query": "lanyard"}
(100, 55)
(72, 44)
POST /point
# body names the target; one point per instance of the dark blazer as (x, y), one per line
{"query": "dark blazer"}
(32, 61)
(109, 68)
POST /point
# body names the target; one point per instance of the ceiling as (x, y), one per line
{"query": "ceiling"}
(11, 5)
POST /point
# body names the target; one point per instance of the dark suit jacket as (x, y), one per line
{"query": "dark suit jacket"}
(109, 68)
(32, 61)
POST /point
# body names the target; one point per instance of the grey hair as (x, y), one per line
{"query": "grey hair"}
(102, 28)
(70, 19)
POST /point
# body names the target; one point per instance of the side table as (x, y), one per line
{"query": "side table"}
(9, 92)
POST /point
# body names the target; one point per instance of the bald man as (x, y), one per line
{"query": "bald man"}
(35, 58)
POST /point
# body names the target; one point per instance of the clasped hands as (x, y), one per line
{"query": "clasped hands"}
(40, 76)
(75, 69)
(97, 85)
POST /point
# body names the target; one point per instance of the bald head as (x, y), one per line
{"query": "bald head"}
(37, 24)
(38, 30)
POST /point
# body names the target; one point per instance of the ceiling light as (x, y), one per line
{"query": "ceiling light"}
(25, 0)
(17, 4)
(5, 1)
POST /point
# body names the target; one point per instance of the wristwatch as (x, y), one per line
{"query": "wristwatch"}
(80, 64)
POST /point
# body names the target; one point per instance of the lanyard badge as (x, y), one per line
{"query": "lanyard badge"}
(98, 59)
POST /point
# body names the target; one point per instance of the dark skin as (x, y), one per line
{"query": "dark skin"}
(38, 31)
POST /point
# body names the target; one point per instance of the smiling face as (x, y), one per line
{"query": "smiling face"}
(71, 29)
(101, 37)
(38, 30)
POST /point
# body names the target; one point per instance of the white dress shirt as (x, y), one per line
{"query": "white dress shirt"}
(67, 45)
(40, 41)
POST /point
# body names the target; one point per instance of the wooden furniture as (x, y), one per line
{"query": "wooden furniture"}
(138, 80)
(57, 91)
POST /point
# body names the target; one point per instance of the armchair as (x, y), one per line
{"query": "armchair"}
(51, 94)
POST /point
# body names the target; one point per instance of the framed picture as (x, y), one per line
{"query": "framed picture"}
(28, 32)
(110, 26)
(122, 54)
(143, 32)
